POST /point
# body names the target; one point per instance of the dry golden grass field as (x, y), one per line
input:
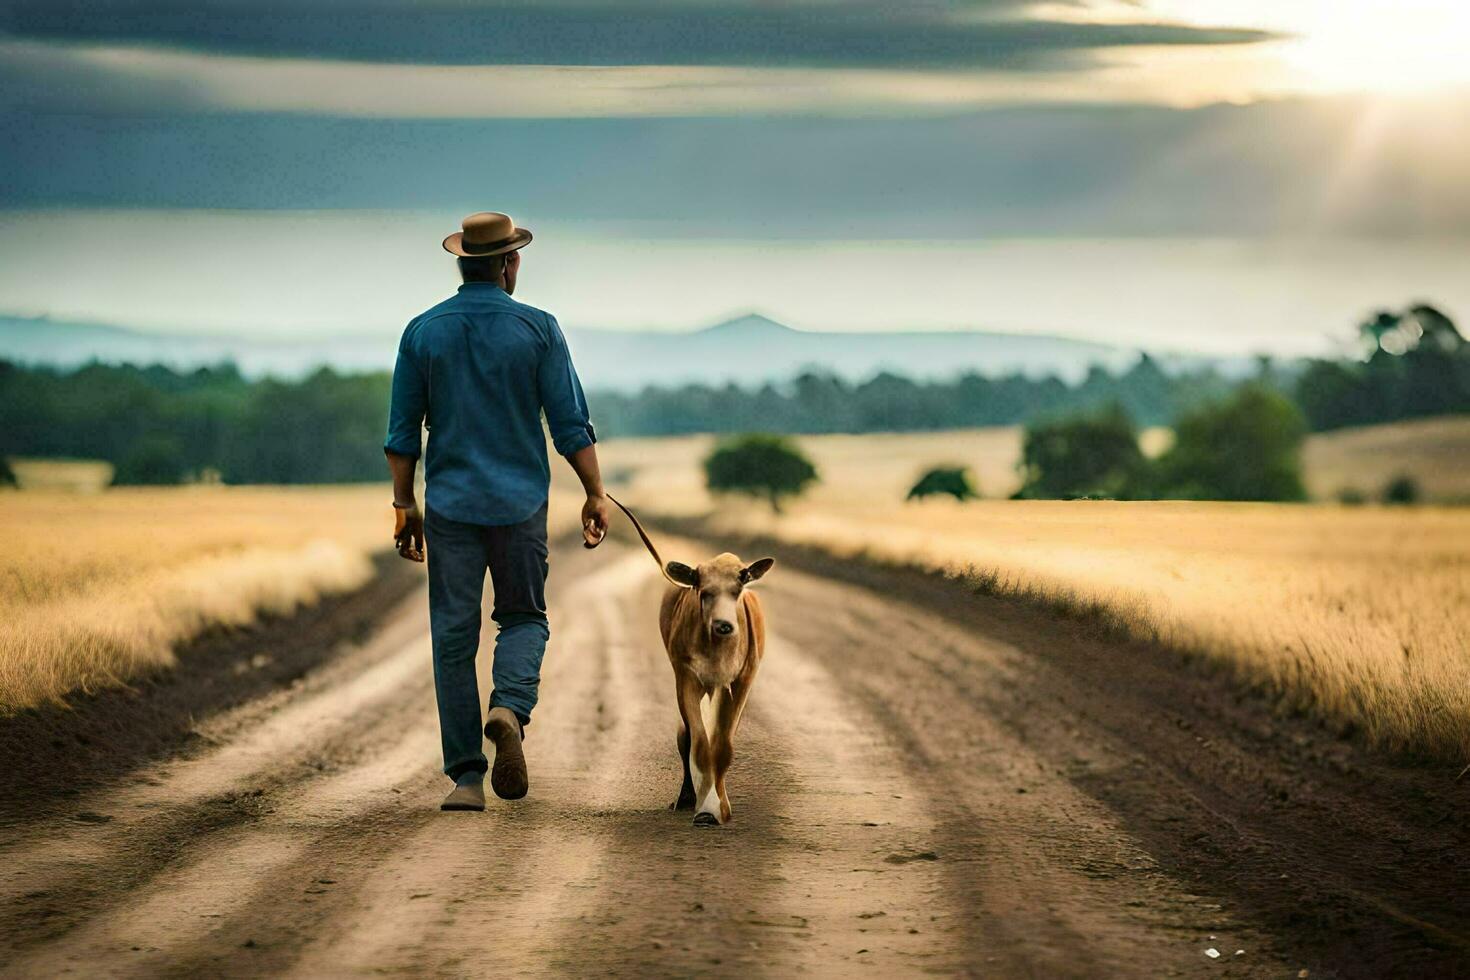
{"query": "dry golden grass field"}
(1360, 614)
(100, 586)
(1435, 452)
(96, 588)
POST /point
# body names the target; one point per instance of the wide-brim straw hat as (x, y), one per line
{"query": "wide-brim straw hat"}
(487, 233)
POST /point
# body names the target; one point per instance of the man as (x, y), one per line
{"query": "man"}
(481, 368)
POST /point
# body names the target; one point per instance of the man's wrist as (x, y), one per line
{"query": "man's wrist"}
(409, 505)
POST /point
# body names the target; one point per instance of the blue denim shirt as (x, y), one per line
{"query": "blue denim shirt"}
(480, 368)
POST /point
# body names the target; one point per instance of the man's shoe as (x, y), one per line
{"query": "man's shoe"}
(468, 794)
(508, 776)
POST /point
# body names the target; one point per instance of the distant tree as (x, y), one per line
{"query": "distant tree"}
(1089, 455)
(1402, 489)
(1416, 363)
(822, 402)
(1436, 375)
(890, 402)
(1351, 497)
(156, 460)
(1334, 394)
(759, 465)
(325, 428)
(952, 480)
(1247, 447)
(1420, 327)
(1146, 392)
(7, 475)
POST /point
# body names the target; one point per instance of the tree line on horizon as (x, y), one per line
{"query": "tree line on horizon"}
(158, 425)
(1246, 446)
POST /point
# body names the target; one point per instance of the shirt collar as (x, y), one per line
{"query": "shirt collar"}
(480, 287)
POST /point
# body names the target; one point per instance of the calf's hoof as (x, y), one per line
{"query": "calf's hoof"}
(706, 820)
(683, 802)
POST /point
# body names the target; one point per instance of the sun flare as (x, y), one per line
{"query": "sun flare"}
(1407, 46)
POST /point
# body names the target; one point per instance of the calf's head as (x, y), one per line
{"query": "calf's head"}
(719, 583)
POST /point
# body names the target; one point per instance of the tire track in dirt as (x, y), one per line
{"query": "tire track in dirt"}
(168, 866)
(261, 890)
(784, 888)
(1053, 884)
(59, 872)
(493, 884)
(610, 880)
(862, 869)
(254, 900)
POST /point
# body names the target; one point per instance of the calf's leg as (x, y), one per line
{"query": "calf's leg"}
(685, 800)
(727, 721)
(723, 751)
(700, 754)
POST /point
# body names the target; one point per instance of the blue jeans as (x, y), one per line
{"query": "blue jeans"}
(458, 556)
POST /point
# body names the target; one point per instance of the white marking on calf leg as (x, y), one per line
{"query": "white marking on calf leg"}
(706, 794)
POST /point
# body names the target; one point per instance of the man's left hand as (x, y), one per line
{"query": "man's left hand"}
(408, 532)
(594, 520)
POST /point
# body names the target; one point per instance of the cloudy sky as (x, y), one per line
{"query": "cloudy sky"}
(1219, 175)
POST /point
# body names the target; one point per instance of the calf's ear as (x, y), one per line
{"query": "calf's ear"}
(683, 574)
(756, 569)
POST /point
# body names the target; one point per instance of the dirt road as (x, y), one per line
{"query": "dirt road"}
(918, 788)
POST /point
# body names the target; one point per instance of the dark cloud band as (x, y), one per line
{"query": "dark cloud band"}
(990, 34)
(1095, 171)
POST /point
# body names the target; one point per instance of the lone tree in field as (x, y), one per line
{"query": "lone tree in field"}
(1091, 455)
(1247, 447)
(1402, 489)
(761, 466)
(953, 480)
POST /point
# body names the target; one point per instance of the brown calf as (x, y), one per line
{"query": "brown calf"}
(715, 635)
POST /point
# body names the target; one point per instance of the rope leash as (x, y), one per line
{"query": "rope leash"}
(647, 542)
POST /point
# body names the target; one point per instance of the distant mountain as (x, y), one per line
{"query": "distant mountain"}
(748, 349)
(755, 348)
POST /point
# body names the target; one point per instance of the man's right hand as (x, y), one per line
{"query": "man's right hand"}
(594, 520)
(408, 532)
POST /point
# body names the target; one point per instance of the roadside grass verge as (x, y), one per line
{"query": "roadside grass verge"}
(1357, 616)
(97, 589)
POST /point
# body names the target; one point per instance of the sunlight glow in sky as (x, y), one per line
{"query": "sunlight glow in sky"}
(1329, 47)
(1354, 45)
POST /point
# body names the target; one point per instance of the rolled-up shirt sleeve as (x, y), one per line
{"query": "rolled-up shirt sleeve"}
(407, 405)
(561, 396)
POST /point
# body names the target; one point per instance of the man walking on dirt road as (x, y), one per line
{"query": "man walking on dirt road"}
(481, 368)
